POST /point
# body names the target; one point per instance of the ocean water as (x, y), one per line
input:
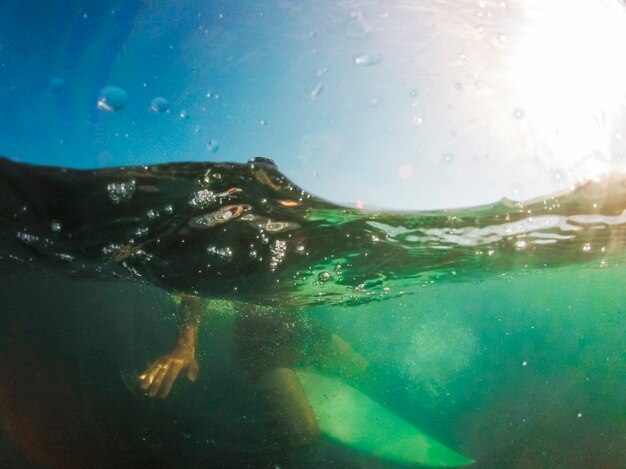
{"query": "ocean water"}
(499, 331)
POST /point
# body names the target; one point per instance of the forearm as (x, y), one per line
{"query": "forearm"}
(189, 317)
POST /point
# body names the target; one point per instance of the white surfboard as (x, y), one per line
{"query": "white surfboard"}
(351, 418)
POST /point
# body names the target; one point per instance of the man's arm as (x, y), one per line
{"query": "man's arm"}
(158, 379)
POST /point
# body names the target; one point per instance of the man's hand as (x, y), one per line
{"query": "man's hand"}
(158, 379)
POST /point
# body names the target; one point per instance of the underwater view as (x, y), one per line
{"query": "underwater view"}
(304, 333)
(424, 269)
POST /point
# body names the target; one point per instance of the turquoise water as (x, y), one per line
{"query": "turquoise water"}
(499, 331)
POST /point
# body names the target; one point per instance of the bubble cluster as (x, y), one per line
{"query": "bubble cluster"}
(120, 191)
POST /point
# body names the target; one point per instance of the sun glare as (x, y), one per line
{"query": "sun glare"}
(569, 76)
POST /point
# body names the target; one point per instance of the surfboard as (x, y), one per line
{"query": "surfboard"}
(353, 419)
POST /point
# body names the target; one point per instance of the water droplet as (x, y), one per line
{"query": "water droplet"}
(413, 93)
(57, 85)
(405, 171)
(587, 247)
(324, 276)
(152, 214)
(519, 113)
(558, 175)
(524, 363)
(448, 157)
(263, 122)
(55, 226)
(168, 209)
(112, 98)
(356, 26)
(579, 414)
(368, 59)
(184, 115)
(159, 104)
(520, 244)
(317, 91)
(417, 121)
(213, 146)
(300, 249)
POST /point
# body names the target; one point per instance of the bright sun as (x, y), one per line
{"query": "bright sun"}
(569, 76)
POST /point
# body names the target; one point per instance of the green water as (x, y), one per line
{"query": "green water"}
(502, 333)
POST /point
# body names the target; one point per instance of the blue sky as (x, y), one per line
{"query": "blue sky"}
(401, 105)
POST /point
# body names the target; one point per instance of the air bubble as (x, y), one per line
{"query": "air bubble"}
(159, 104)
(141, 231)
(112, 98)
(519, 113)
(368, 59)
(417, 121)
(263, 122)
(324, 276)
(184, 115)
(55, 226)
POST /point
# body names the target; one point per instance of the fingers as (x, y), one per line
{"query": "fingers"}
(155, 387)
(192, 371)
(146, 379)
(159, 378)
(167, 380)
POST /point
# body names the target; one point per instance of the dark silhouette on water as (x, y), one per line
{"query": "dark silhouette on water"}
(244, 231)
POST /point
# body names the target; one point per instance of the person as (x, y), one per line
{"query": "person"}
(269, 343)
